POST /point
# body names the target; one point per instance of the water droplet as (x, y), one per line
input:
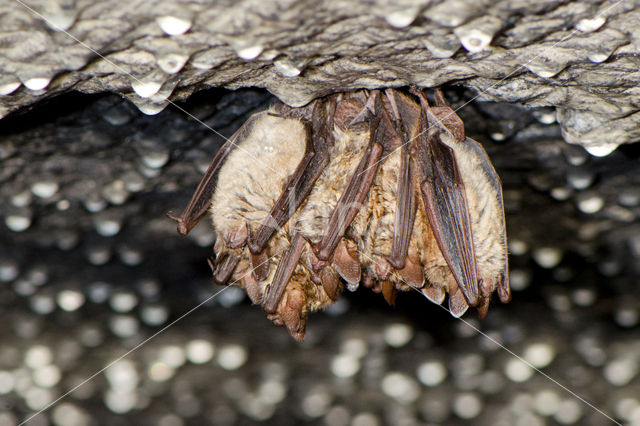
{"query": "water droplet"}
(18, 222)
(561, 193)
(398, 334)
(155, 159)
(172, 355)
(544, 70)
(47, 376)
(70, 300)
(588, 25)
(199, 351)
(231, 298)
(123, 301)
(129, 255)
(599, 57)
(44, 189)
(467, 405)
(474, 40)
(120, 402)
(63, 205)
(402, 18)
(37, 398)
(568, 412)
(580, 179)
(365, 419)
(539, 355)
(133, 182)
(547, 257)
(498, 136)
(602, 149)
(115, 192)
(151, 108)
(354, 346)
(8, 88)
(145, 88)
(42, 304)
(38, 356)
(316, 402)
(8, 270)
(160, 372)
(344, 365)
(173, 25)
(545, 116)
(124, 326)
(22, 199)
(590, 204)
(286, 68)
(517, 371)
(154, 315)
(117, 115)
(107, 226)
(65, 413)
(98, 255)
(232, 356)
(171, 63)
(626, 316)
(37, 83)
(442, 46)
(432, 373)
(400, 387)
(94, 203)
(250, 52)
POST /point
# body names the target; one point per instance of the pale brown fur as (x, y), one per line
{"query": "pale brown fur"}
(246, 191)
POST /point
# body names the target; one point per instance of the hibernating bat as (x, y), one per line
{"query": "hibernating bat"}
(369, 187)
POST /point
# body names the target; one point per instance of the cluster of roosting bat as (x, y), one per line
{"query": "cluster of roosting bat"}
(372, 188)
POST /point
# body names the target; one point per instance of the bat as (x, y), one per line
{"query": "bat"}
(377, 188)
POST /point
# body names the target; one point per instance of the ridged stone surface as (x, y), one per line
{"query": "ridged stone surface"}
(578, 56)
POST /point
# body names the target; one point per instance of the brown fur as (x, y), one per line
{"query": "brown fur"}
(255, 175)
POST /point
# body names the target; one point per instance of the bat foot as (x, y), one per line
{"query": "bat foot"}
(483, 308)
(504, 290)
(389, 292)
(457, 303)
(223, 267)
(182, 227)
(435, 294)
(330, 283)
(413, 272)
(253, 289)
(347, 264)
(291, 312)
(260, 266)
(238, 238)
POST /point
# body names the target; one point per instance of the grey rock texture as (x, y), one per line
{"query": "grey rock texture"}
(580, 57)
(94, 275)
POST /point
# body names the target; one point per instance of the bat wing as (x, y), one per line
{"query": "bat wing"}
(201, 199)
(446, 204)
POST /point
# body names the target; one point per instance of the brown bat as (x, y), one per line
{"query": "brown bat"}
(372, 187)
